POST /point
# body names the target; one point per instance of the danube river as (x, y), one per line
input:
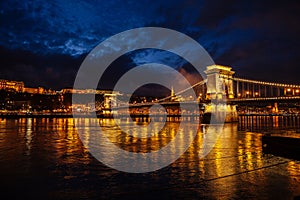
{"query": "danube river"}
(44, 158)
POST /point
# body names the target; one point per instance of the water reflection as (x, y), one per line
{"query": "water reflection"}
(269, 123)
(48, 154)
(28, 136)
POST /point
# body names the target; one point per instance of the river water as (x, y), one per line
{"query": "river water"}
(45, 158)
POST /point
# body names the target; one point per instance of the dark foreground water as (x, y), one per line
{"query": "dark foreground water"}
(45, 159)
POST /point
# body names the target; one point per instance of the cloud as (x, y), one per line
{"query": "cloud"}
(253, 37)
(68, 27)
(157, 56)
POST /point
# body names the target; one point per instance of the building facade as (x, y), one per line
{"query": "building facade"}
(17, 86)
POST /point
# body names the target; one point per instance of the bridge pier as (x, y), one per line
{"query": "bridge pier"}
(220, 88)
(220, 113)
(231, 113)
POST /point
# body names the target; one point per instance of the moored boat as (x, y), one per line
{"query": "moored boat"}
(282, 145)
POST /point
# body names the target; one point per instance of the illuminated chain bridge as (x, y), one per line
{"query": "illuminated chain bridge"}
(219, 90)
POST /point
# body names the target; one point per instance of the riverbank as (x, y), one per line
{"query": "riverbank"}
(88, 115)
(84, 115)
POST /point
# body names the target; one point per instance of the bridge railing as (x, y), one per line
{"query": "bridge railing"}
(246, 88)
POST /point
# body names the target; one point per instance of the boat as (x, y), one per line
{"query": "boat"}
(282, 145)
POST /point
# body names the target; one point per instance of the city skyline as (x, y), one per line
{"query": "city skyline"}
(148, 99)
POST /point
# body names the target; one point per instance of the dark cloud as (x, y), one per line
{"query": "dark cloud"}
(50, 71)
(44, 43)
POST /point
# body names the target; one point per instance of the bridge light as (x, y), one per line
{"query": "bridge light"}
(256, 93)
(289, 89)
(297, 91)
(247, 92)
(239, 94)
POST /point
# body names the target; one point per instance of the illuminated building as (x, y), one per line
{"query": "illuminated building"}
(17, 86)
(83, 91)
(39, 90)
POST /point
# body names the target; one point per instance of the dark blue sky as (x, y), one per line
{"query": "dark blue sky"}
(44, 42)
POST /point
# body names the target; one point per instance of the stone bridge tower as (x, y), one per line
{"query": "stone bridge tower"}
(219, 88)
(219, 82)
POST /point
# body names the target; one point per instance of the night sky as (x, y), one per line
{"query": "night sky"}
(44, 42)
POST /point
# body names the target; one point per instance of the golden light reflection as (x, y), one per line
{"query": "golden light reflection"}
(127, 141)
(22, 126)
(28, 136)
(240, 155)
(67, 145)
(234, 159)
(293, 168)
(276, 121)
